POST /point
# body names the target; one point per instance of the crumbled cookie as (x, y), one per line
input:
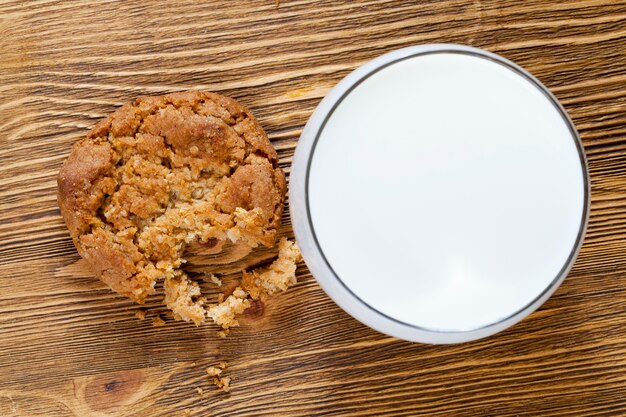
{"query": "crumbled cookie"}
(215, 280)
(222, 382)
(279, 276)
(161, 173)
(141, 314)
(224, 313)
(213, 371)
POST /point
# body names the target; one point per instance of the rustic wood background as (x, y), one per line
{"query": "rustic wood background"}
(71, 347)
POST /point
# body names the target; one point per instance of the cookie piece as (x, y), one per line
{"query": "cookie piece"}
(163, 172)
(259, 283)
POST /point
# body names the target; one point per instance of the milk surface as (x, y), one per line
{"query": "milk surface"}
(446, 191)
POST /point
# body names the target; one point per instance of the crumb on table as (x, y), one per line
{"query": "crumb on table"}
(279, 276)
(215, 280)
(224, 314)
(157, 321)
(215, 372)
(222, 383)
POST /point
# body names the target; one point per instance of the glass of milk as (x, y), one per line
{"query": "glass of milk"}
(439, 193)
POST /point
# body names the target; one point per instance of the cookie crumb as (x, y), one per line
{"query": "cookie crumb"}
(279, 276)
(201, 393)
(223, 333)
(224, 314)
(215, 280)
(213, 371)
(157, 321)
(141, 314)
(221, 382)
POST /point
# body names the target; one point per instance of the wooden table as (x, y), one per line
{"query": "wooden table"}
(71, 347)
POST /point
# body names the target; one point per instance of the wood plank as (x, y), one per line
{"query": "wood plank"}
(71, 347)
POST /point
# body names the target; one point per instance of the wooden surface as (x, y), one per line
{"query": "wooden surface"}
(71, 347)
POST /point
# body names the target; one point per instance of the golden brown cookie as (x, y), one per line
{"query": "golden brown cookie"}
(163, 172)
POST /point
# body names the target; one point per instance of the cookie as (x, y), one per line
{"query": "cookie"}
(161, 173)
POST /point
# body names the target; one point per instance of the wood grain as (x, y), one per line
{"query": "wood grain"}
(70, 347)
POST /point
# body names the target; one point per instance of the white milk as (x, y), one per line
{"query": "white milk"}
(446, 191)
